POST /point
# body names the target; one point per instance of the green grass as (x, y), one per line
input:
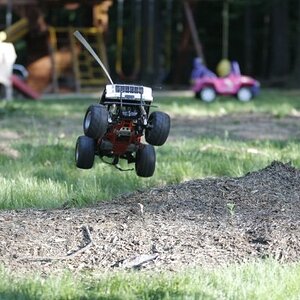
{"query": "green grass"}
(44, 175)
(256, 280)
(276, 102)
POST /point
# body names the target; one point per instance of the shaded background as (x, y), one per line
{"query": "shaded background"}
(155, 41)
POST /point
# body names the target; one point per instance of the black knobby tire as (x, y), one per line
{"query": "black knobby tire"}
(85, 152)
(159, 128)
(95, 121)
(145, 161)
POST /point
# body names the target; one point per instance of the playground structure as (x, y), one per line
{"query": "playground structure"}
(54, 59)
(68, 62)
(139, 48)
(148, 42)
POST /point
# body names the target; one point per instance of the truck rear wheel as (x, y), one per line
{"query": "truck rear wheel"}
(145, 161)
(85, 152)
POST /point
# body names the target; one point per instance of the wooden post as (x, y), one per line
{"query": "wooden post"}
(193, 30)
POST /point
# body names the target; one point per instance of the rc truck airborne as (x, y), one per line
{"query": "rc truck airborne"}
(114, 128)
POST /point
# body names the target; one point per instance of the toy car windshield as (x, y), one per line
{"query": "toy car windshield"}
(128, 92)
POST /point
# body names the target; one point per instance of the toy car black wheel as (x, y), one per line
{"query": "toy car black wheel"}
(244, 94)
(95, 121)
(159, 127)
(145, 161)
(208, 94)
(84, 152)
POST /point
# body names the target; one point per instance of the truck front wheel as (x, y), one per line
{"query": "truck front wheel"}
(159, 128)
(95, 121)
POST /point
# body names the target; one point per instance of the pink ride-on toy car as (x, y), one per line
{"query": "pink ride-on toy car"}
(207, 85)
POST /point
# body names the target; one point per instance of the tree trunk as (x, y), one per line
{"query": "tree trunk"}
(279, 52)
(296, 70)
(248, 39)
(225, 29)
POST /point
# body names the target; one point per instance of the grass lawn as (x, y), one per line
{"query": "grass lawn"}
(263, 280)
(38, 139)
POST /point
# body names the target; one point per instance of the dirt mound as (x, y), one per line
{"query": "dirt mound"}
(201, 222)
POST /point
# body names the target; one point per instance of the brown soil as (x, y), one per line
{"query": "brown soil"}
(197, 223)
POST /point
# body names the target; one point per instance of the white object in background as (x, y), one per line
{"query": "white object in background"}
(7, 59)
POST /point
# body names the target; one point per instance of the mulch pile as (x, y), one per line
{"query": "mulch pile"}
(205, 222)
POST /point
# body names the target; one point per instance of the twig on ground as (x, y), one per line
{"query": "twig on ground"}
(65, 257)
(136, 261)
